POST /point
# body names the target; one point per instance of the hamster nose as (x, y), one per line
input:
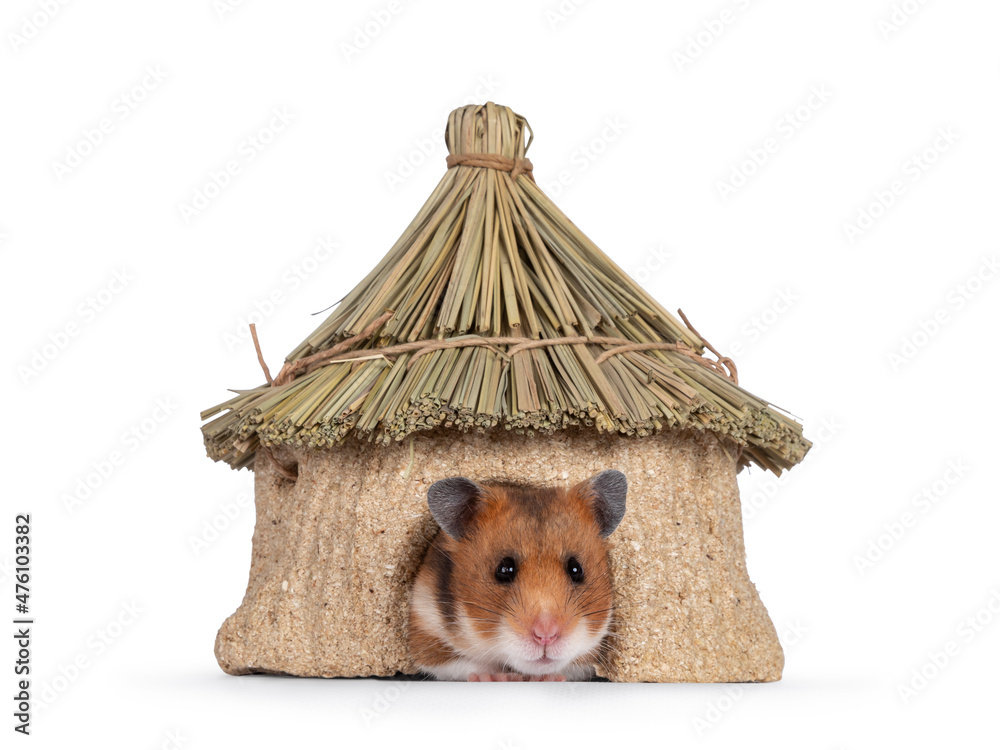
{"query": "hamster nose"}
(545, 630)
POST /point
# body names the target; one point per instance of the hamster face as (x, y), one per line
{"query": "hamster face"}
(535, 581)
(518, 580)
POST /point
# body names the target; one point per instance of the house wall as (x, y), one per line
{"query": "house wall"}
(334, 553)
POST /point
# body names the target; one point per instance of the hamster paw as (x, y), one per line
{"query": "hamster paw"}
(513, 677)
(498, 677)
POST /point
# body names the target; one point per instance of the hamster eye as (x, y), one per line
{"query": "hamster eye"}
(506, 570)
(574, 570)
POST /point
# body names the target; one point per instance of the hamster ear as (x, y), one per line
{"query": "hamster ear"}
(452, 502)
(607, 493)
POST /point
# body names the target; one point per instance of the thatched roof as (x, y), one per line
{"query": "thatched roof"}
(435, 334)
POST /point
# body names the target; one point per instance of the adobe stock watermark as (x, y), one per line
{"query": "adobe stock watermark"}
(912, 171)
(224, 8)
(173, 739)
(249, 149)
(84, 314)
(899, 15)
(790, 635)
(707, 34)
(96, 645)
(656, 259)
(383, 700)
(955, 299)
(558, 14)
(785, 128)
(291, 280)
(967, 630)
(103, 468)
(370, 29)
(222, 519)
(880, 544)
(433, 143)
(120, 109)
(763, 321)
(31, 26)
(792, 632)
(584, 155)
(769, 485)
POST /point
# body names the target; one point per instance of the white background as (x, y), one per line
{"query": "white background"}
(812, 311)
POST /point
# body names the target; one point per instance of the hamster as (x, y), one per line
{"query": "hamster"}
(517, 583)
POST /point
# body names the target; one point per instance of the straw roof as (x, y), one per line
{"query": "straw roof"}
(435, 335)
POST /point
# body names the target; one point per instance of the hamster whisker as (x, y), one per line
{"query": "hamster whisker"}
(488, 654)
(590, 600)
(596, 612)
(626, 605)
(480, 606)
(604, 660)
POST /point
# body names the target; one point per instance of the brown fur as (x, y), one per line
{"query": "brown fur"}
(539, 527)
